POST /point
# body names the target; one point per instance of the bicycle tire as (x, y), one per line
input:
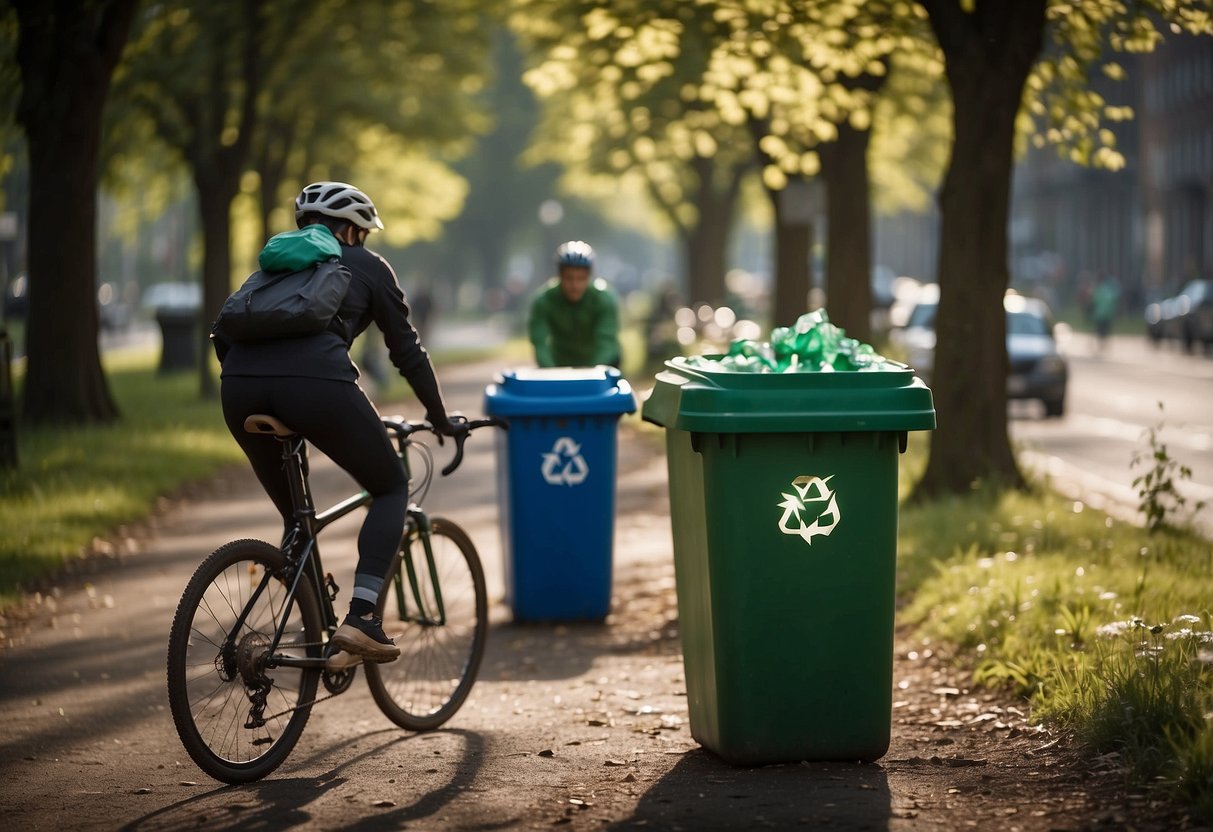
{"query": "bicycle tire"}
(208, 709)
(438, 664)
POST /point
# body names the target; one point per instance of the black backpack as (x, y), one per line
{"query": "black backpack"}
(274, 305)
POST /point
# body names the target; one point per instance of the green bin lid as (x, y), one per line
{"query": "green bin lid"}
(707, 401)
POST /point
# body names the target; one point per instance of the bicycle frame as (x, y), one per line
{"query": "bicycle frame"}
(309, 524)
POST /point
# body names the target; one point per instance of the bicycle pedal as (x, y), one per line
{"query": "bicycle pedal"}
(342, 661)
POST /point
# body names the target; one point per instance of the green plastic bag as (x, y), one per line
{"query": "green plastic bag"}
(293, 251)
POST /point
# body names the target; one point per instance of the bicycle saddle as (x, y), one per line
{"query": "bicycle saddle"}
(261, 423)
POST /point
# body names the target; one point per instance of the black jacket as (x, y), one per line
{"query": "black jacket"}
(373, 295)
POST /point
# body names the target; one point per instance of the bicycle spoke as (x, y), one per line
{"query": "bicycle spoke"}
(218, 674)
(438, 661)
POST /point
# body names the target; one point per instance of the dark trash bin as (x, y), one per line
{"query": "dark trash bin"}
(178, 338)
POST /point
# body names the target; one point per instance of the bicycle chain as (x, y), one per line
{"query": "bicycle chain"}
(304, 704)
(301, 705)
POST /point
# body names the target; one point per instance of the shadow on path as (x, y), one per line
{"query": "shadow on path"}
(702, 792)
(283, 803)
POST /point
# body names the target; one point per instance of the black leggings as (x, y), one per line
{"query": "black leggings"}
(340, 421)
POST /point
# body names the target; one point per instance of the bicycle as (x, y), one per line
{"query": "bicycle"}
(249, 644)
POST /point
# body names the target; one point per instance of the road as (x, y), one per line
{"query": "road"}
(1113, 398)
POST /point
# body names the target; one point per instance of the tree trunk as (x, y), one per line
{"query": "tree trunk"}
(849, 235)
(491, 252)
(707, 243)
(988, 54)
(272, 158)
(67, 57)
(793, 239)
(793, 250)
(217, 164)
(64, 381)
(706, 248)
(215, 197)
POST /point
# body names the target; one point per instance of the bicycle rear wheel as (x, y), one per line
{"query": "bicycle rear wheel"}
(439, 654)
(211, 676)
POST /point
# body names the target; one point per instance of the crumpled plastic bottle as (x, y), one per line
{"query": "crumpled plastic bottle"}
(811, 345)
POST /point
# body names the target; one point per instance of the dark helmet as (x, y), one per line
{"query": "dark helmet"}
(575, 253)
(337, 199)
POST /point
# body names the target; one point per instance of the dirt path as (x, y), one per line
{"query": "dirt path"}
(581, 726)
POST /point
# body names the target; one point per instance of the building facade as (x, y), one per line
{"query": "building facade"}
(1149, 224)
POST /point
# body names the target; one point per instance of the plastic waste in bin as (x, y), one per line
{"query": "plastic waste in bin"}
(783, 501)
(556, 470)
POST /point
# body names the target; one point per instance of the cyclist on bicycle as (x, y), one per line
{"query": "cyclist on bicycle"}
(311, 384)
(575, 320)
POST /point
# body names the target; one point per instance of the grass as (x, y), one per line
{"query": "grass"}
(1105, 628)
(16, 334)
(74, 486)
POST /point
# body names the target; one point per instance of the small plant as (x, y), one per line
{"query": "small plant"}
(1194, 780)
(1158, 497)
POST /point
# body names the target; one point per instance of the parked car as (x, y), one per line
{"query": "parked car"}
(1187, 317)
(1037, 369)
(173, 296)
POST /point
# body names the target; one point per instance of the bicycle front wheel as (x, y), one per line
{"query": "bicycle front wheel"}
(238, 718)
(437, 611)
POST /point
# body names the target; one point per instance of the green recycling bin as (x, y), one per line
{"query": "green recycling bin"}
(783, 501)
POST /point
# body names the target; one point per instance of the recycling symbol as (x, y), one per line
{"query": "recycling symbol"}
(814, 499)
(564, 464)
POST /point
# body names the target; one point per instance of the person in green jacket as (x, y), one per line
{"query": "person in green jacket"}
(575, 319)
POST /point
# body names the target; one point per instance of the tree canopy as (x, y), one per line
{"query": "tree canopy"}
(293, 91)
(1007, 61)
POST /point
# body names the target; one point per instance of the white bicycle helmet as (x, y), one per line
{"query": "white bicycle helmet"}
(337, 199)
(575, 253)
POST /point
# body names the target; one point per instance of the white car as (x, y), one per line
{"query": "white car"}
(1037, 368)
(176, 296)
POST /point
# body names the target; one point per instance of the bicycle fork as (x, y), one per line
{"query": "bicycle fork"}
(425, 616)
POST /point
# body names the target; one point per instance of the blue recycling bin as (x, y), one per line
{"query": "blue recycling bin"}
(556, 471)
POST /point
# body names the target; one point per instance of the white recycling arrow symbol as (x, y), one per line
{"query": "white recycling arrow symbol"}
(564, 464)
(811, 494)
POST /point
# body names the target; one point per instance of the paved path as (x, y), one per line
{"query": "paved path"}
(581, 725)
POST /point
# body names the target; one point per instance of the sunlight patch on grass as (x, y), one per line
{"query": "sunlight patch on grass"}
(1107, 629)
(74, 485)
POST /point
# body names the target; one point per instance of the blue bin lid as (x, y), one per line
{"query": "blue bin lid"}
(559, 391)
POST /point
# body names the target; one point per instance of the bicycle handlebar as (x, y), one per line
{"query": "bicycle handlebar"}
(403, 429)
